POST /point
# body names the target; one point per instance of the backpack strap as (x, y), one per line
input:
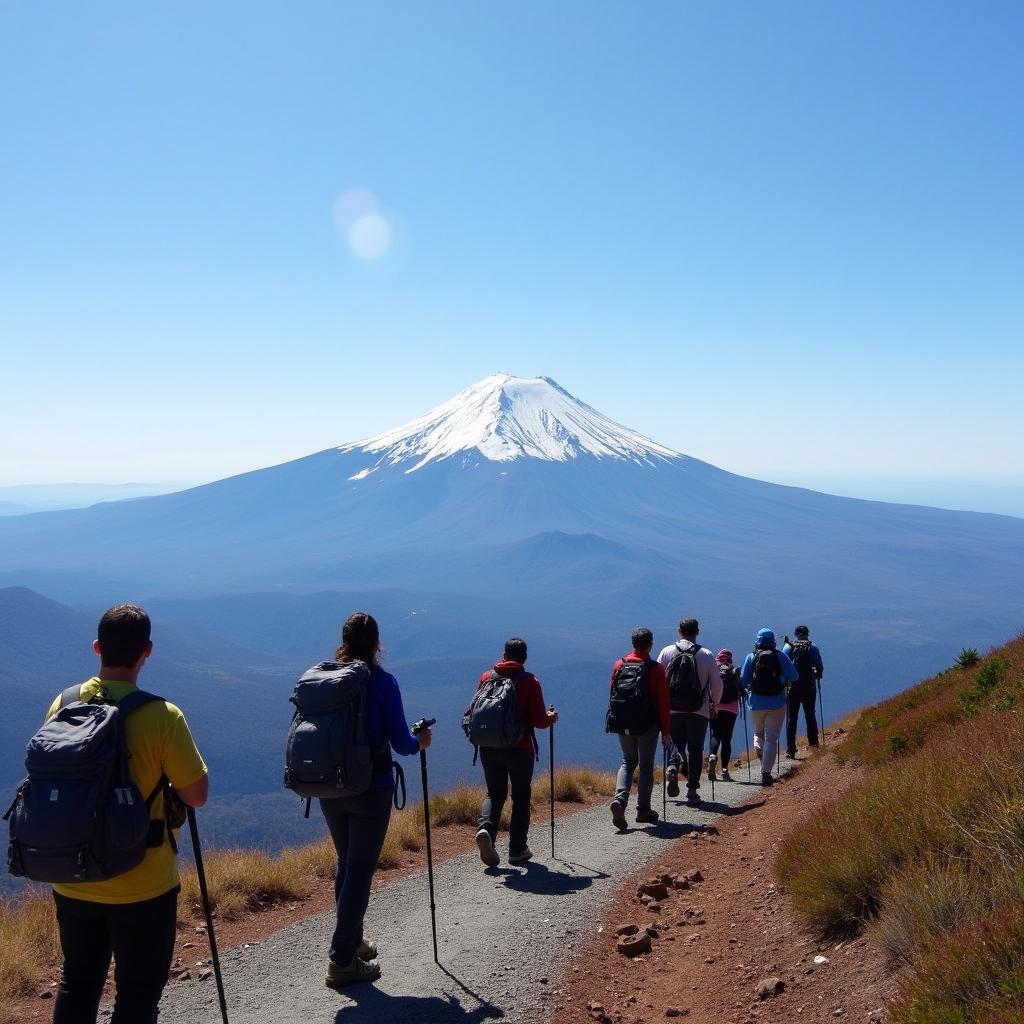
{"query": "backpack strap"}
(134, 700)
(70, 696)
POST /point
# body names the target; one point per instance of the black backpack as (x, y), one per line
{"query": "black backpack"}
(800, 655)
(79, 816)
(492, 718)
(730, 676)
(766, 673)
(631, 709)
(328, 752)
(685, 692)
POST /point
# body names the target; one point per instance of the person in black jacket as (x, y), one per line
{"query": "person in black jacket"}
(803, 693)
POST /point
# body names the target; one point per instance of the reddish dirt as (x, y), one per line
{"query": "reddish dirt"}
(718, 940)
(192, 948)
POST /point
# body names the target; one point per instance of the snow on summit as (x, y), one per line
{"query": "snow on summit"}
(504, 418)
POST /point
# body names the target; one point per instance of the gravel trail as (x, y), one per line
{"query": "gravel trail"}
(499, 932)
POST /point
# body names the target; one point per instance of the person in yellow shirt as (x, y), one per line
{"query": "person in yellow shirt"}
(132, 916)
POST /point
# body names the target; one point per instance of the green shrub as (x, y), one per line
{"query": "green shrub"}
(968, 657)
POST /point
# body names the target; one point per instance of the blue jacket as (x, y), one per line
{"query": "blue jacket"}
(814, 654)
(789, 675)
(385, 720)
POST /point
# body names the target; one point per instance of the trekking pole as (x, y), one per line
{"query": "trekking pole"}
(821, 711)
(746, 737)
(426, 723)
(664, 783)
(711, 774)
(197, 852)
(551, 749)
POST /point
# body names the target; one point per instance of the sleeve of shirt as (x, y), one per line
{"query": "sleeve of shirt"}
(396, 726)
(714, 678)
(665, 658)
(615, 668)
(818, 663)
(537, 713)
(182, 763)
(788, 668)
(745, 672)
(787, 650)
(659, 684)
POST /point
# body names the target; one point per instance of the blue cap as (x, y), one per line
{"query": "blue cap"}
(765, 638)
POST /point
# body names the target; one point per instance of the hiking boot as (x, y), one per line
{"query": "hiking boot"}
(520, 856)
(672, 777)
(712, 765)
(367, 950)
(791, 754)
(619, 816)
(693, 798)
(647, 817)
(356, 970)
(488, 854)
(726, 777)
(766, 779)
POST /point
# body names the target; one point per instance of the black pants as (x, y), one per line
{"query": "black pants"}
(802, 695)
(140, 937)
(688, 734)
(358, 825)
(506, 767)
(722, 726)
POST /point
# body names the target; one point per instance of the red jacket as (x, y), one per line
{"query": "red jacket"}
(658, 683)
(529, 699)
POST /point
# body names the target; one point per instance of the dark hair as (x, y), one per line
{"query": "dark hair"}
(802, 631)
(688, 627)
(643, 638)
(360, 639)
(123, 634)
(515, 649)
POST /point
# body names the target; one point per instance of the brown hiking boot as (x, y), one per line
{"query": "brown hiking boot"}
(647, 817)
(355, 970)
(367, 950)
(619, 816)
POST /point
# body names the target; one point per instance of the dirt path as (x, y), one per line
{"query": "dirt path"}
(718, 940)
(502, 934)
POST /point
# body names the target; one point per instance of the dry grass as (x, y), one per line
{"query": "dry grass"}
(929, 851)
(28, 946)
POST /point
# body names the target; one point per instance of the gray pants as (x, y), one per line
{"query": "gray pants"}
(637, 750)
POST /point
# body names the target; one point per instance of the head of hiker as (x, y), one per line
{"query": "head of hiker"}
(689, 629)
(356, 785)
(765, 639)
(360, 640)
(802, 632)
(110, 853)
(724, 656)
(643, 640)
(123, 641)
(515, 650)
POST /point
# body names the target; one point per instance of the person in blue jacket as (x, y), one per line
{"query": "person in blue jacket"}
(766, 673)
(803, 693)
(358, 824)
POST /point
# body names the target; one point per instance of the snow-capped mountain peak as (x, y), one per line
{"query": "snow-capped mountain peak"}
(503, 418)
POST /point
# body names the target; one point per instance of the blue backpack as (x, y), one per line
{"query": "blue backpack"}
(79, 817)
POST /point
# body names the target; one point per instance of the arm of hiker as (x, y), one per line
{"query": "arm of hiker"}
(396, 726)
(536, 713)
(714, 678)
(789, 671)
(748, 663)
(182, 763)
(816, 663)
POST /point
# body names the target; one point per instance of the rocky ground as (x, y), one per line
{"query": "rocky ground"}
(706, 934)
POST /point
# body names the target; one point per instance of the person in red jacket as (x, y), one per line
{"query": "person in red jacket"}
(508, 768)
(638, 748)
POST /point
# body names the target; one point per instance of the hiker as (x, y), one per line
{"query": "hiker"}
(803, 693)
(765, 674)
(358, 824)
(131, 916)
(724, 722)
(506, 708)
(694, 689)
(638, 710)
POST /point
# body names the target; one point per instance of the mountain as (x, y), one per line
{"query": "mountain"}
(516, 508)
(24, 498)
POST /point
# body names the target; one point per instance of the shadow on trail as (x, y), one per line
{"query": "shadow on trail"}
(371, 1004)
(540, 879)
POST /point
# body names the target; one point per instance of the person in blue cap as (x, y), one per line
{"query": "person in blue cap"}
(766, 674)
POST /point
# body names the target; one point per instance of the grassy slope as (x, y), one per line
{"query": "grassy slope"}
(246, 881)
(927, 853)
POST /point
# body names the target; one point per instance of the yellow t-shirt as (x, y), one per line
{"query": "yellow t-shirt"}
(160, 744)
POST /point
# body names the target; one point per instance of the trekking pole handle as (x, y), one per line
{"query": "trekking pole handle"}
(423, 723)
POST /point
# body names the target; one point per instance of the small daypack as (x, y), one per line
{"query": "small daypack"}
(800, 655)
(730, 676)
(685, 692)
(631, 709)
(766, 673)
(492, 718)
(79, 817)
(328, 752)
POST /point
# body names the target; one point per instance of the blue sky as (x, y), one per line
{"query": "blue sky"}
(787, 238)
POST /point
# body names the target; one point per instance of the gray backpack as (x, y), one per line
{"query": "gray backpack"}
(328, 752)
(79, 817)
(492, 719)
